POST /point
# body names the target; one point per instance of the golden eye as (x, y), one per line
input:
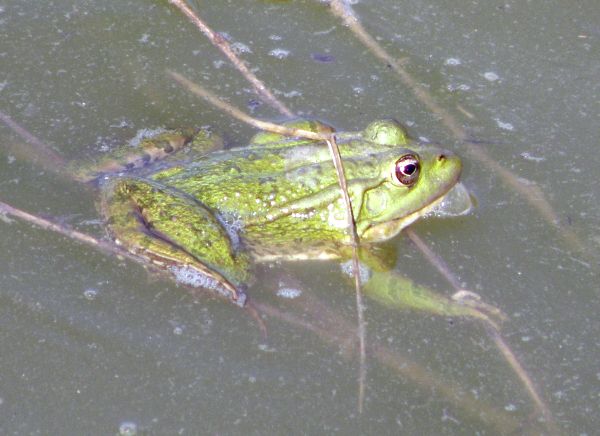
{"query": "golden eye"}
(406, 170)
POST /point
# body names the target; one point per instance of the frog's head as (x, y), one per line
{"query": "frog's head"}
(413, 179)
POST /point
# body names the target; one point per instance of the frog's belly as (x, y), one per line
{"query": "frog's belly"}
(270, 254)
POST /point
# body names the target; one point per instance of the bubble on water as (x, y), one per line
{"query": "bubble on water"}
(510, 407)
(266, 348)
(279, 53)
(218, 63)
(90, 293)
(504, 125)
(178, 331)
(458, 87)
(121, 124)
(490, 76)
(364, 273)
(291, 94)
(5, 218)
(453, 61)
(275, 37)
(290, 293)
(191, 276)
(240, 47)
(528, 156)
(188, 275)
(128, 428)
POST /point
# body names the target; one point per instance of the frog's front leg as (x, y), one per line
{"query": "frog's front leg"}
(175, 232)
(392, 289)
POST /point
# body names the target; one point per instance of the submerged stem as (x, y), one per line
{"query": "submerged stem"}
(361, 332)
(493, 332)
(337, 329)
(35, 150)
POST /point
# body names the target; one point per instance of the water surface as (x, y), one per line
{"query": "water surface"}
(92, 344)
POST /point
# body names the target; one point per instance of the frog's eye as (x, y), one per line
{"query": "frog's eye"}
(406, 170)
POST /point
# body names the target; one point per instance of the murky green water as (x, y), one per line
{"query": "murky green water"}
(91, 344)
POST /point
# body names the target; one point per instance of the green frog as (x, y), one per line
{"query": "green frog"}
(209, 217)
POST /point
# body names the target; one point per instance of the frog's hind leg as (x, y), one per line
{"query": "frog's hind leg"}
(200, 143)
(176, 233)
(147, 147)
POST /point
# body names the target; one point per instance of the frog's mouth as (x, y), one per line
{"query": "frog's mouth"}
(456, 202)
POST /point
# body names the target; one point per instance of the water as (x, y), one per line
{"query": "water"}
(92, 344)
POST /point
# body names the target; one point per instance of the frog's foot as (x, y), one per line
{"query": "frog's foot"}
(394, 290)
(473, 300)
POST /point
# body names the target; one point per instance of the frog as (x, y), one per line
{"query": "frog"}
(218, 211)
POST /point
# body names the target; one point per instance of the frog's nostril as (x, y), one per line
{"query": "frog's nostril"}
(441, 157)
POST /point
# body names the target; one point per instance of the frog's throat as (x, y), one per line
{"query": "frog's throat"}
(387, 230)
(376, 233)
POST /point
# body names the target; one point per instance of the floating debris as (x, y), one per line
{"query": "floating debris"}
(322, 58)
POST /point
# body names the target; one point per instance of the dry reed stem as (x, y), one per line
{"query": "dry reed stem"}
(361, 331)
(106, 247)
(234, 112)
(218, 41)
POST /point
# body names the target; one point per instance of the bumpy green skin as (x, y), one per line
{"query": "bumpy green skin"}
(276, 198)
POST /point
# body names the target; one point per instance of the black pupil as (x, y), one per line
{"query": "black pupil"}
(409, 169)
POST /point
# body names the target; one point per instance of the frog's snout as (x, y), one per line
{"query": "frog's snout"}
(445, 155)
